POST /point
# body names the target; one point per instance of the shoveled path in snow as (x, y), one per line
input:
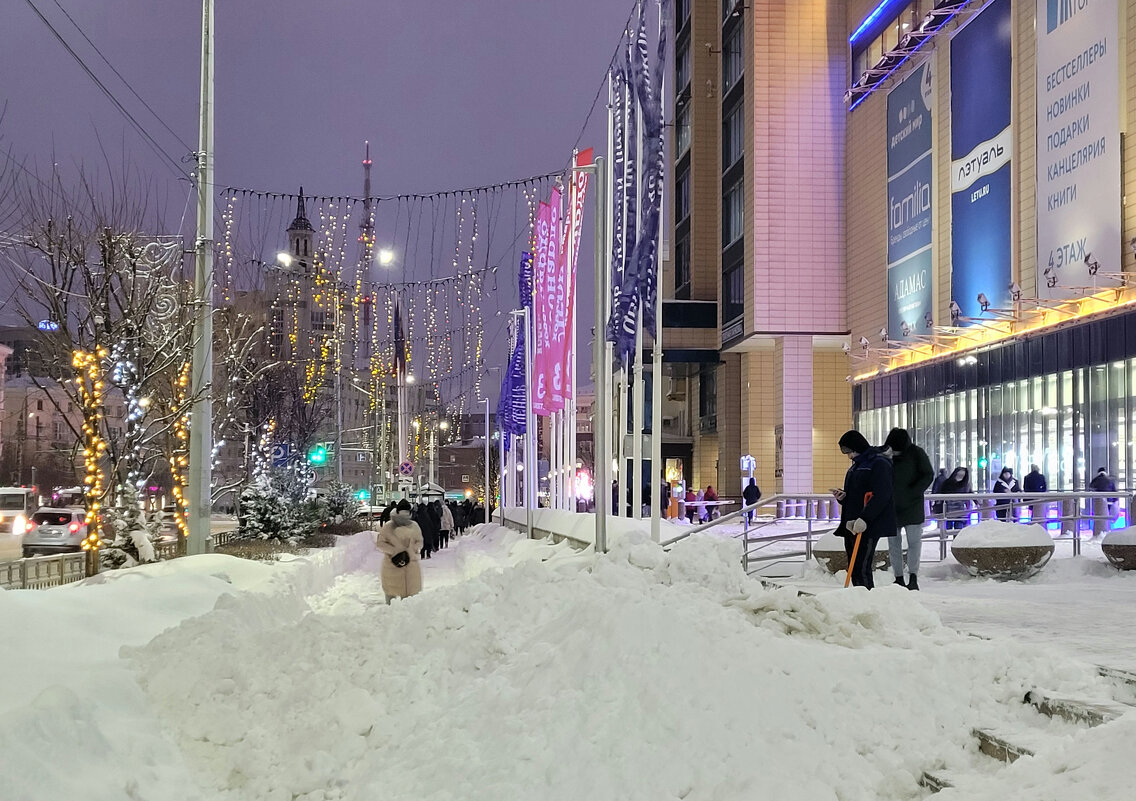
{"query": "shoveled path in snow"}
(1080, 606)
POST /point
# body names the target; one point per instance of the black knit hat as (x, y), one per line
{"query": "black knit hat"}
(403, 505)
(898, 440)
(854, 441)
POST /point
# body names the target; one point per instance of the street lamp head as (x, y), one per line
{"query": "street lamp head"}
(410, 379)
(416, 423)
(284, 258)
(443, 425)
(385, 256)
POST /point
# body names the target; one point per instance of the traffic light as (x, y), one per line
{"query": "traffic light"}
(317, 455)
(363, 495)
(982, 463)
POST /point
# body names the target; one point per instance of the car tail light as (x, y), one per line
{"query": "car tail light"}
(74, 527)
(29, 526)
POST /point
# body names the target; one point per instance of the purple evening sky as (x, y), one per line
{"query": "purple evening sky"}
(450, 93)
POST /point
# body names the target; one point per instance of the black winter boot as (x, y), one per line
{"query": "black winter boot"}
(899, 581)
(913, 582)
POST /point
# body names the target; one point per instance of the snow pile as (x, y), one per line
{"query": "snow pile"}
(639, 675)
(997, 534)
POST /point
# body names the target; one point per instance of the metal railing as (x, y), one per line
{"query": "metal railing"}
(1067, 516)
(41, 572)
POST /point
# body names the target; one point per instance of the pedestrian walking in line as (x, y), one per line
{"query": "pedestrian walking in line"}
(429, 531)
(867, 505)
(1104, 509)
(936, 488)
(447, 523)
(751, 495)
(1035, 482)
(400, 540)
(956, 513)
(1006, 484)
(688, 505)
(912, 474)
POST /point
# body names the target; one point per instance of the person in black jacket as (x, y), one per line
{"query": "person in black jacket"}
(751, 495)
(1006, 484)
(1104, 509)
(1035, 482)
(867, 504)
(912, 474)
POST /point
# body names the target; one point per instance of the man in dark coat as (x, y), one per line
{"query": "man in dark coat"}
(1103, 512)
(751, 495)
(1035, 482)
(867, 504)
(912, 474)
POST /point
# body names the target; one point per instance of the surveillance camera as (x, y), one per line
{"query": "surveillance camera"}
(956, 311)
(864, 343)
(983, 301)
(1015, 290)
(928, 319)
(848, 378)
(1132, 245)
(883, 334)
(905, 329)
(1092, 264)
(845, 347)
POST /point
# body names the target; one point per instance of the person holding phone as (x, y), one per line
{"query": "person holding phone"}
(867, 505)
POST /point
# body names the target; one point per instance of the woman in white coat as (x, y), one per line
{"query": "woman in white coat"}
(400, 540)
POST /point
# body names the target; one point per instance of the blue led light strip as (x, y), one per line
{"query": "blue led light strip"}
(884, 8)
(938, 26)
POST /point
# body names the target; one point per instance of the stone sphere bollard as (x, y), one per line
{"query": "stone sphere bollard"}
(829, 553)
(995, 549)
(1119, 548)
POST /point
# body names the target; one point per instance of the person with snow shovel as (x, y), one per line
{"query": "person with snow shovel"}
(867, 506)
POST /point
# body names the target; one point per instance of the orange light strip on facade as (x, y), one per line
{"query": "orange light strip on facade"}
(995, 332)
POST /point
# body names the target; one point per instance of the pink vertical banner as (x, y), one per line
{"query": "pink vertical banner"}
(544, 279)
(575, 227)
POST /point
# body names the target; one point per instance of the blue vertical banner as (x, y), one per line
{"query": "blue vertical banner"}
(981, 150)
(909, 168)
(511, 414)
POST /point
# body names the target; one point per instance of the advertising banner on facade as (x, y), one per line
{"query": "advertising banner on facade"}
(909, 166)
(1078, 144)
(981, 149)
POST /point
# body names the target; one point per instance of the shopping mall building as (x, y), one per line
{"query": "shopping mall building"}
(903, 213)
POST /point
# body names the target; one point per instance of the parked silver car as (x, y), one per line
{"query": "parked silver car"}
(55, 530)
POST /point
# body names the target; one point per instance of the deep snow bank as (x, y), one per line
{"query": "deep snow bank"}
(638, 675)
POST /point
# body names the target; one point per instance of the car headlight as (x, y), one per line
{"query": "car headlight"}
(19, 525)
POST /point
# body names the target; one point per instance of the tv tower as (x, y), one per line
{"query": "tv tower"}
(366, 255)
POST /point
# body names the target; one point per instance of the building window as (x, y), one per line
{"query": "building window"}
(733, 61)
(733, 135)
(57, 430)
(320, 321)
(733, 211)
(682, 13)
(682, 65)
(884, 35)
(682, 196)
(682, 262)
(39, 406)
(708, 398)
(682, 129)
(733, 293)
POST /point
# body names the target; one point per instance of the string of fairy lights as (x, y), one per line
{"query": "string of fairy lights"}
(448, 305)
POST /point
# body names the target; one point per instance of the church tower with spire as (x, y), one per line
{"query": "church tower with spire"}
(300, 238)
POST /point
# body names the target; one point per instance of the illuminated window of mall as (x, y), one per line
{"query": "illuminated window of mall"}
(881, 31)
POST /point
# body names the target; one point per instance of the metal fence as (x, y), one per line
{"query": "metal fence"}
(43, 572)
(1067, 516)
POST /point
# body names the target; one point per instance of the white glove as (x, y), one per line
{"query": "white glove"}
(859, 525)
